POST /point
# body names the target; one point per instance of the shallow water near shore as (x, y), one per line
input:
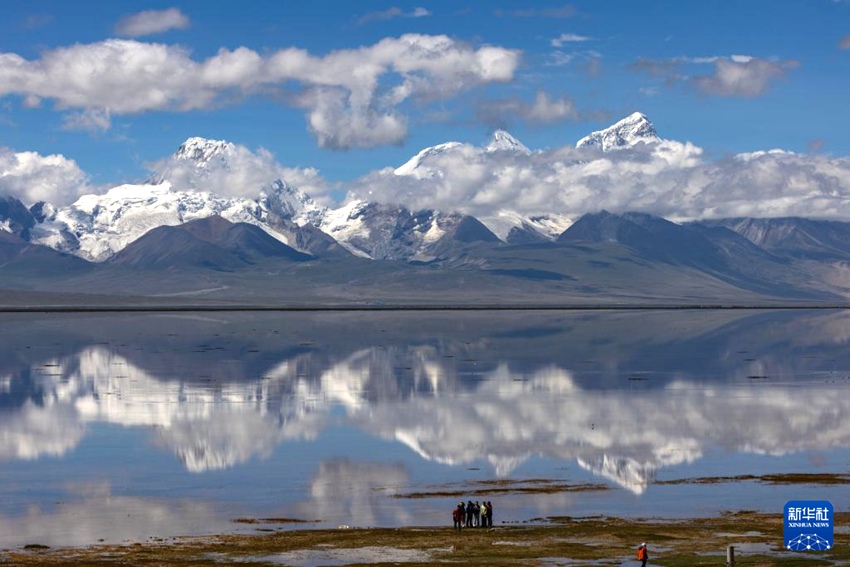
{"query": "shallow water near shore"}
(129, 427)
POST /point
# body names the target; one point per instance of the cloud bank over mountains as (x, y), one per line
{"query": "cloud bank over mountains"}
(674, 179)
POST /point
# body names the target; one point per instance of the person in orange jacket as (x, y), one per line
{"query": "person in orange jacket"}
(643, 555)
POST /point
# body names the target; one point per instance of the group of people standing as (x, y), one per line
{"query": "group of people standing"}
(473, 515)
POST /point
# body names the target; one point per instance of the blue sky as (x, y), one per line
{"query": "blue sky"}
(349, 88)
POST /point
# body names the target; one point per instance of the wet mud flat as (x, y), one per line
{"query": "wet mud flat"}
(757, 538)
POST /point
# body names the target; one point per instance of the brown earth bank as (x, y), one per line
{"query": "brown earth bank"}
(565, 541)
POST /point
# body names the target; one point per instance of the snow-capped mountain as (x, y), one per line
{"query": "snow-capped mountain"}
(201, 154)
(187, 186)
(418, 165)
(509, 226)
(15, 218)
(197, 159)
(390, 232)
(427, 163)
(513, 228)
(633, 129)
(202, 151)
(504, 141)
(95, 227)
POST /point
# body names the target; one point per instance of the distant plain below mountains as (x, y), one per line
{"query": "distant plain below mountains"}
(602, 259)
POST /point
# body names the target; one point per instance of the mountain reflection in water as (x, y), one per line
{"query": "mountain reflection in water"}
(624, 395)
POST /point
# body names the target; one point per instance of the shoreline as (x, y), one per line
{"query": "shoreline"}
(154, 307)
(756, 537)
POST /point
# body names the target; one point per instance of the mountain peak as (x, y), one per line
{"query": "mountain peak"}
(631, 130)
(195, 154)
(414, 166)
(503, 140)
(202, 150)
(635, 117)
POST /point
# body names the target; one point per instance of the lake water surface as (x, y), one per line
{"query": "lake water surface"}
(125, 427)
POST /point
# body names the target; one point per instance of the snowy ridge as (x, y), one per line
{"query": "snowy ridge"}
(346, 225)
(389, 232)
(421, 165)
(548, 227)
(416, 166)
(504, 141)
(202, 151)
(286, 201)
(633, 129)
(201, 154)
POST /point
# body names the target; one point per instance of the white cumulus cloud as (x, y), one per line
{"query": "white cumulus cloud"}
(351, 97)
(152, 22)
(31, 177)
(337, 126)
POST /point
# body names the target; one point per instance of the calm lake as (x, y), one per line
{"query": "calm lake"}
(126, 427)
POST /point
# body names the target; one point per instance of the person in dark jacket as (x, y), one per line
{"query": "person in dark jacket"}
(489, 513)
(469, 506)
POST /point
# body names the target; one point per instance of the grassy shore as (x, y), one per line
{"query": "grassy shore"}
(757, 539)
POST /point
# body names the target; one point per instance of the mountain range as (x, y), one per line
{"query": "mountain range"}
(174, 239)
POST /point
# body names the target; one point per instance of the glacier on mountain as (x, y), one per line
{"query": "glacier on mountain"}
(195, 160)
(96, 227)
(390, 232)
(509, 225)
(504, 141)
(345, 225)
(634, 129)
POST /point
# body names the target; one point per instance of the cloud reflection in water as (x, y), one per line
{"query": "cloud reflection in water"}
(624, 395)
